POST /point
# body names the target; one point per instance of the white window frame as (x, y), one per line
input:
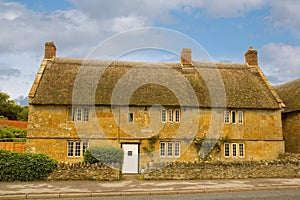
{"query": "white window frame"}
(177, 115)
(162, 149)
(226, 146)
(240, 117)
(234, 148)
(76, 149)
(241, 150)
(176, 149)
(130, 117)
(85, 114)
(170, 149)
(226, 117)
(163, 115)
(79, 114)
(170, 115)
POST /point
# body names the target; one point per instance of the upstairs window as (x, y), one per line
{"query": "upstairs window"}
(79, 114)
(240, 117)
(170, 115)
(227, 117)
(130, 117)
(234, 117)
(163, 115)
(177, 115)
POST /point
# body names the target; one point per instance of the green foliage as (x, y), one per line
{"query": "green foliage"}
(24, 166)
(104, 154)
(151, 144)
(11, 132)
(10, 110)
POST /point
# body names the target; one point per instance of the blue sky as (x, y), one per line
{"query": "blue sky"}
(225, 29)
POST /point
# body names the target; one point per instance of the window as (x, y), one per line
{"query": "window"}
(84, 147)
(226, 117)
(241, 150)
(163, 116)
(177, 149)
(240, 117)
(233, 117)
(234, 150)
(177, 115)
(70, 149)
(78, 114)
(170, 149)
(76, 148)
(85, 114)
(226, 149)
(162, 149)
(130, 117)
(170, 115)
(237, 149)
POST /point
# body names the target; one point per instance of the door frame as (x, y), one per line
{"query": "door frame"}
(138, 159)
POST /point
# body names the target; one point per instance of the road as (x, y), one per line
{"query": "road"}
(257, 195)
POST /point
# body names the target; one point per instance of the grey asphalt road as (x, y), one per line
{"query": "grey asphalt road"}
(249, 195)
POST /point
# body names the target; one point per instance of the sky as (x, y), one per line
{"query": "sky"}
(224, 29)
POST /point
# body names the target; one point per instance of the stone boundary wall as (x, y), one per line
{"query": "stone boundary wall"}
(287, 166)
(85, 171)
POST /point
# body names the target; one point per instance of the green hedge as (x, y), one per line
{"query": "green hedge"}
(104, 154)
(11, 132)
(24, 166)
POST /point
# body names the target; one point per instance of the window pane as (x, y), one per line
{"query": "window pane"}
(241, 150)
(226, 149)
(70, 149)
(241, 117)
(163, 116)
(78, 114)
(162, 149)
(86, 114)
(177, 149)
(72, 113)
(77, 148)
(234, 151)
(226, 117)
(177, 115)
(233, 117)
(130, 117)
(170, 115)
(84, 147)
(170, 149)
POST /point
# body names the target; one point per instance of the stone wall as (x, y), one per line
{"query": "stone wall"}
(85, 171)
(288, 166)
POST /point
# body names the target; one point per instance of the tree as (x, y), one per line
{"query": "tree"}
(10, 110)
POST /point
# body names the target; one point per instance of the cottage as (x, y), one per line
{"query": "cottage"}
(290, 94)
(157, 112)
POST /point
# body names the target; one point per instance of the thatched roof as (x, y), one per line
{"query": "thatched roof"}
(290, 94)
(66, 81)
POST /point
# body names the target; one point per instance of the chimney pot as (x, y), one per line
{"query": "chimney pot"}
(186, 56)
(50, 50)
(251, 56)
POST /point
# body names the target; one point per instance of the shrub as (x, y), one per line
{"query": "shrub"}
(11, 132)
(104, 154)
(24, 166)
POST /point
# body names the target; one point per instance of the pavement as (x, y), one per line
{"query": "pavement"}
(74, 189)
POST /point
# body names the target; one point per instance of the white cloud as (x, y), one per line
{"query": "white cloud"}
(280, 62)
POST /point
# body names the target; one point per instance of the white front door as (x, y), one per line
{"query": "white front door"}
(131, 158)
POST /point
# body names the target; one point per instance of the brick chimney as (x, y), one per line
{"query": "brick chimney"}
(50, 50)
(251, 56)
(186, 57)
